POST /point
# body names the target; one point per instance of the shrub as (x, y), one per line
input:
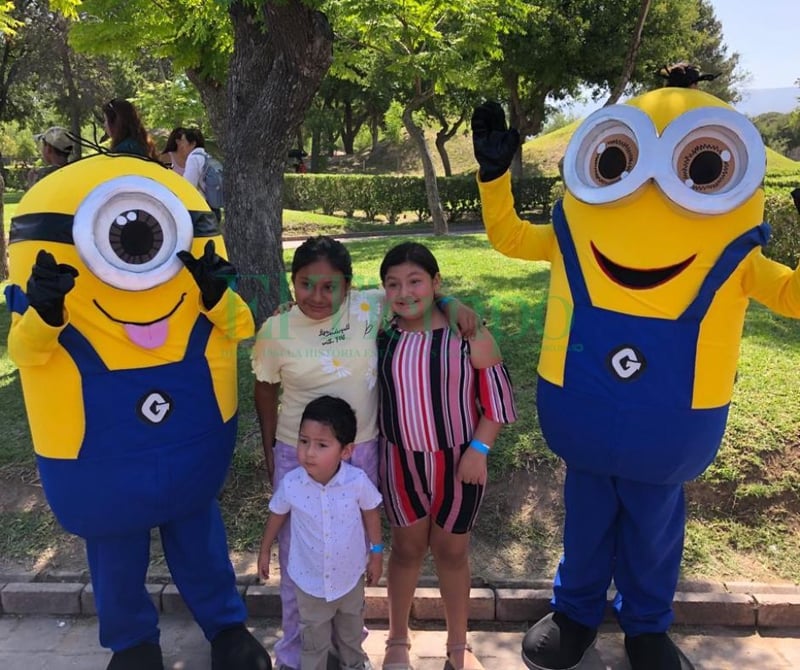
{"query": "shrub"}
(780, 213)
(390, 195)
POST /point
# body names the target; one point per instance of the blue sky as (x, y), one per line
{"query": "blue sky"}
(766, 34)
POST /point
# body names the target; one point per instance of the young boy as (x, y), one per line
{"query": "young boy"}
(331, 503)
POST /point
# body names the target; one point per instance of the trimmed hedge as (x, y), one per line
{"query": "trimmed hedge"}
(389, 196)
(783, 218)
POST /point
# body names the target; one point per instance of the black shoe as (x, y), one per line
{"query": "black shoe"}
(236, 649)
(145, 656)
(556, 642)
(655, 651)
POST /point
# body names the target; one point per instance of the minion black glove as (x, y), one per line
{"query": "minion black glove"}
(796, 197)
(48, 284)
(494, 145)
(211, 272)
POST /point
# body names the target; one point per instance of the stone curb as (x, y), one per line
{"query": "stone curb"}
(734, 604)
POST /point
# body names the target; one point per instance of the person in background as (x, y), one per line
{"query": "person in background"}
(443, 400)
(56, 147)
(123, 126)
(684, 75)
(192, 151)
(169, 156)
(335, 509)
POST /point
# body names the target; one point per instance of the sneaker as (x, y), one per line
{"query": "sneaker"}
(556, 642)
(655, 651)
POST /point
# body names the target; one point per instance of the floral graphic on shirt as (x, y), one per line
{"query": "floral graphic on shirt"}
(361, 308)
(333, 365)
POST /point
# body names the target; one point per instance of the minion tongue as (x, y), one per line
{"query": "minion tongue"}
(150, 336)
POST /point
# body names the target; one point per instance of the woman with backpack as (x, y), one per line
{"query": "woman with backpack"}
(200, 170)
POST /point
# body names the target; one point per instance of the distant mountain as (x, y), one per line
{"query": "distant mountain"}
(757, 101)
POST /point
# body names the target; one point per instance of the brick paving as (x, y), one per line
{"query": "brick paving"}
(70, 643)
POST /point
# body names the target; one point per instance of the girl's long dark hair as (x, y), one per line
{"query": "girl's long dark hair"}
(124, 122)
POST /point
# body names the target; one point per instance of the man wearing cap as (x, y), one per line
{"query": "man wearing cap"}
(56, 148)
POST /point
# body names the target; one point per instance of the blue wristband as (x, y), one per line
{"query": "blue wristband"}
(441, 303)
(480, 447)
(376, 548)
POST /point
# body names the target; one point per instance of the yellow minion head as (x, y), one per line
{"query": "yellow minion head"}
(119, 220)
(656, 189)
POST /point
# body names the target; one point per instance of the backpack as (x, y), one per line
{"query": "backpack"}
(211, 182)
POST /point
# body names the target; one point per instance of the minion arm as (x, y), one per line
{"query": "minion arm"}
(31, 341)
(232, 316)
(507, 233)
(773, 284)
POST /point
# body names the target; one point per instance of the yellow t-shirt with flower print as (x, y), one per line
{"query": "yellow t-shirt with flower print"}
(335, 356)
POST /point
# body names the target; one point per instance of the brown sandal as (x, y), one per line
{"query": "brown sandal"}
(398, 642)
(461, 647)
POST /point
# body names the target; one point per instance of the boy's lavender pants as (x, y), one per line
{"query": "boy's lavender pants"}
(287, 650)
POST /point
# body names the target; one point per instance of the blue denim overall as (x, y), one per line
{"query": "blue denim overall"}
(624, 424)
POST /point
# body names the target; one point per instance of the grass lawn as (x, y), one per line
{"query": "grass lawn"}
(743, 511)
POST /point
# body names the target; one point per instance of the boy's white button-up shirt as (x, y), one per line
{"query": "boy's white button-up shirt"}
(328, 551)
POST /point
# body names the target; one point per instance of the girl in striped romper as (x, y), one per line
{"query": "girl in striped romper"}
(443, 400)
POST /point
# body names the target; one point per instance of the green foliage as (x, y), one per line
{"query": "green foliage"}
(781, 132)
(389, 196)
(17, 142)
(780, 213)
(8, 24)
(171, 103)
(393, 122)
(191, 34)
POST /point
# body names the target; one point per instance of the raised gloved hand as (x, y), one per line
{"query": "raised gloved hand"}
(212, 273)
(48, 284)
(796, 197)
(494, 144)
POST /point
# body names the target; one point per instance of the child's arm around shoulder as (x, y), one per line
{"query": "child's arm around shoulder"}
(483, 350)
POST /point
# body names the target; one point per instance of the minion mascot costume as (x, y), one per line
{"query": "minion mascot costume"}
(125, 333)
(656, 248)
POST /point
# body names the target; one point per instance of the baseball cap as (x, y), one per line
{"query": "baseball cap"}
(56, 137)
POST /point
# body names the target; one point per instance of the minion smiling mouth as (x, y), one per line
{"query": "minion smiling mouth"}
(148, 335)
(639, 279)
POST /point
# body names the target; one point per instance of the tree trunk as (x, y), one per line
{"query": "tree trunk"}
(316, 150)
(431, 188)
(3, 257)
(278, 62)
(441, 141)
(348, 132)
(526, 116)
(445, 133)
(215, 99)
(73, 95)
(630, 57)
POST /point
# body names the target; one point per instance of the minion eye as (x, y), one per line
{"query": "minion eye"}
(128, 230)
(718, 160)
(602, 160)
(136, 237)
(614, 156)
